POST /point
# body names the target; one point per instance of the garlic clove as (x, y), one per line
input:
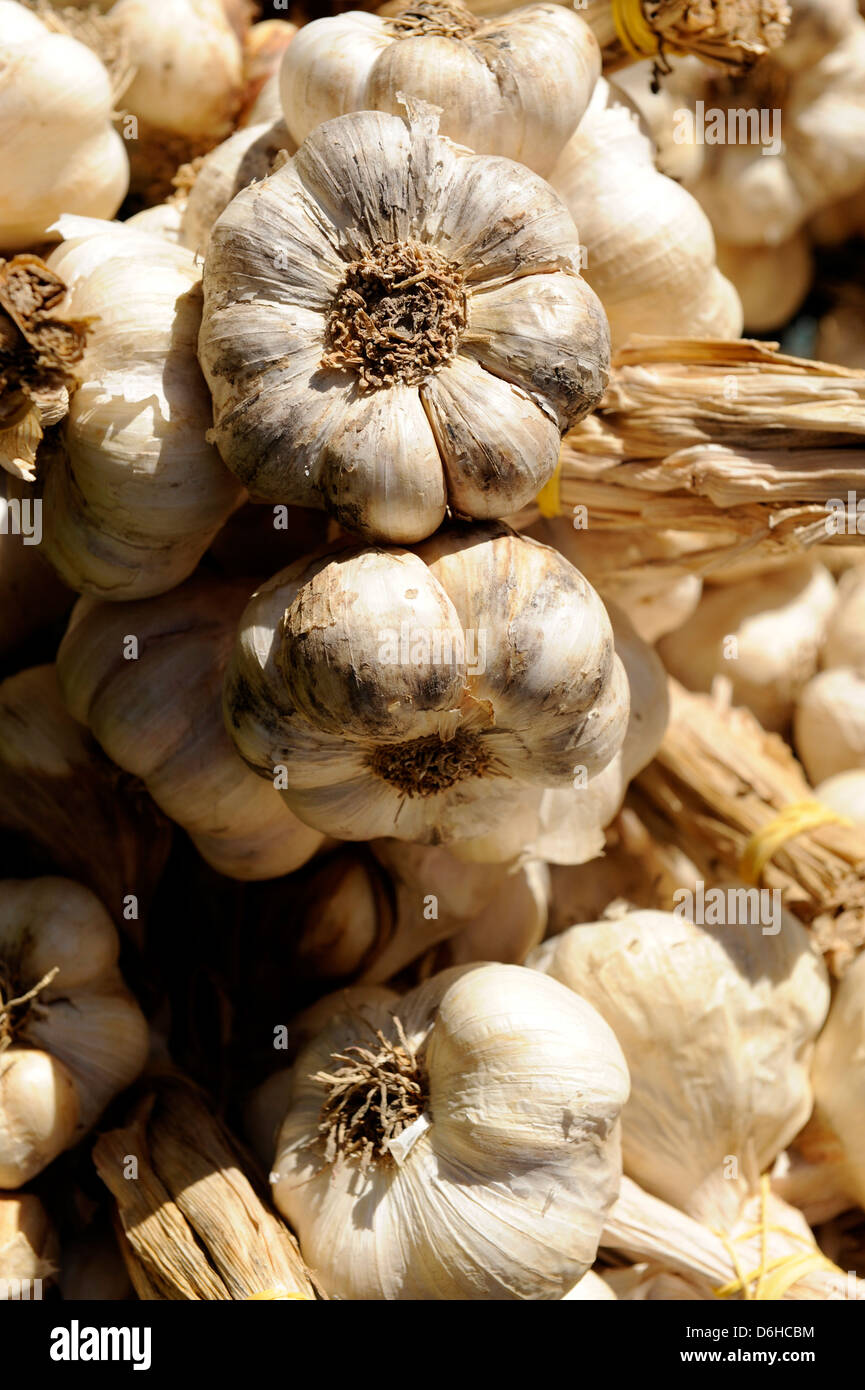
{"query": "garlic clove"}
(517, 330)
(39, 1113)
(498, 448)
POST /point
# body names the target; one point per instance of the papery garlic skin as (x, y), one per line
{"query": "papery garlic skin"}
(649, 246)
(245, 157)
(844, 636)
(80, 1041)
(159, 717)
(425, 694)
(138, 495)
(513, 86)
(503, 1192)
(839, 1078)
(829, 723)
(28, 1243)
(508, 345)
(51, 83)
(764, 634)
(718, 1025)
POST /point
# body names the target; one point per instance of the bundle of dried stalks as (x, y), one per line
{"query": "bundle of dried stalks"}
(731, 439)
(722, 782)
(192, 1219)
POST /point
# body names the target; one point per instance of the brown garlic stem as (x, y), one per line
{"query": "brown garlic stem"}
(449, 19)
(424, 766)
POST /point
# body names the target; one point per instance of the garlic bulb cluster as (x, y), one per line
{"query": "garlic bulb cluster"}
(515, 85)
(460, 1142)
(424, 694)
(649, 247)
(838, 1125)
(146, 678)
(49, 82)
(764, 634)
(28, 1242)
(187, 83)
(71, 1036)
(805, 144)
(394, 325)
(718, 1025)
(137, 493)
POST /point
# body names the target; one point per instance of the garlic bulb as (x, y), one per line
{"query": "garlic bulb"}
(146, 678)
(803, 147)
(844, 636)
(771, 281)
(187, 85)
(138, 495)
(839, 1083)
(829, 723)
(466, 407)
(28, 1243)
(71, 1036)
(51, 82)
(163, 219)
(485, 1157)
(649, 248)
(623, 567)
(718, 1025)
(424, 694)
(246, 156)
(764, 634)
(264, 45)
(845, 793)
(516, 85)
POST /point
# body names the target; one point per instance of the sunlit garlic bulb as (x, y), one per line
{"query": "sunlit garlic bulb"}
(394, 325)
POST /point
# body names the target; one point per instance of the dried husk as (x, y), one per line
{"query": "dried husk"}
(194, 1225)
(718, 778)
(64, 808)
(730, 439)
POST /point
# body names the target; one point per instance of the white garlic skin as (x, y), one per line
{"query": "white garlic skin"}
(517, 86)
(844, 638)
(772, 282)
(314, 689)
(504, 1194)
(845, 793)
(52, 83)
(649, 247)
(480, 430)
(762, 633)
(243, 158)
(82, 1041)
(159, 717)
(718, 1025)
(132, 508)
(829, 723)
(839, 1077)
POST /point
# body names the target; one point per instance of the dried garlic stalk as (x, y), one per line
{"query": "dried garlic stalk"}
(719, 778)
(729, 438)
(192, 1224)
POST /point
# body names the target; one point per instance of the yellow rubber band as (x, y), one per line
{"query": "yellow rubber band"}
(791, 821)
(772, 1278)
(278, 1294)
(549, 499)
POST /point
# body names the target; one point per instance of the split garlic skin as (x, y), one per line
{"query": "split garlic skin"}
(329, 391)
(78, 1041)
(515, 85)
(51, 83)
(425, 694)
(512, 1087)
